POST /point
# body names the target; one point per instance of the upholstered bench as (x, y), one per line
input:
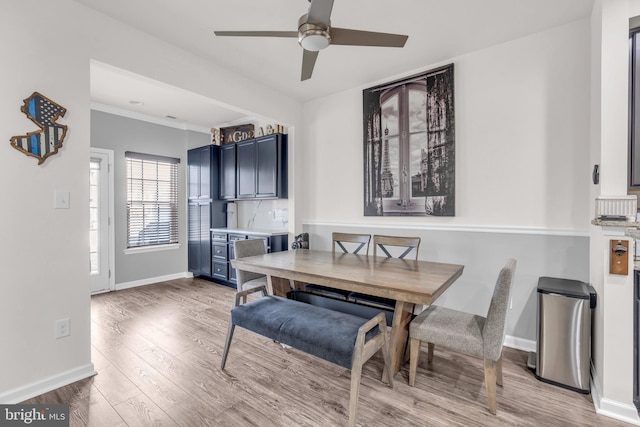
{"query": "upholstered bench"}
(340, 338)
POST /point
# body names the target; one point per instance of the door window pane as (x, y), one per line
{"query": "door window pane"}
(94, 216)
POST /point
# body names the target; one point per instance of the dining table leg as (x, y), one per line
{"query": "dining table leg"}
(279, 286)
(399, 334)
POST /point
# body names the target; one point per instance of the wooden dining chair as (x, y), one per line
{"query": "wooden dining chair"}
(399, 245)
(245, 248)
(347, 243)
(467, 333)
(408, 244)
(360, 241)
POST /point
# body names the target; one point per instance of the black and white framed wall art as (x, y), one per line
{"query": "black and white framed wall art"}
(409, 146)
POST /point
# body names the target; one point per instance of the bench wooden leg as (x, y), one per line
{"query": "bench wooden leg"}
(388, 378)
(227, 344)
(356, 375)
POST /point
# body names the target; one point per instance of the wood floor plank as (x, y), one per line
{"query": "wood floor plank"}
(95, 411)
(149, 380)
(142, 411)
(114, 385)
(157, 350)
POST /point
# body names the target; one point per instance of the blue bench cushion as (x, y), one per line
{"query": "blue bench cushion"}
(328, 334)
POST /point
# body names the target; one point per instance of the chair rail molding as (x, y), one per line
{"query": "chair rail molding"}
(455, 227)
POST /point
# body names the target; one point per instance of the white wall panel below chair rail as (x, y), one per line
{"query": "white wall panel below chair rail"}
(483, 251)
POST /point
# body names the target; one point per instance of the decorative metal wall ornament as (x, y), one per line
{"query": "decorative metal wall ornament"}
(409, 146)
(44, 142)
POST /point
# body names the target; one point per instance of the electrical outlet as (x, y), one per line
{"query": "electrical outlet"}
(61, 328)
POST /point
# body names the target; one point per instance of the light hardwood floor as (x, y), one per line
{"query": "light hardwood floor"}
(157, 351)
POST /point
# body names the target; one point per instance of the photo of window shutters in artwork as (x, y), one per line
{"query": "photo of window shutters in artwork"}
(409, 146)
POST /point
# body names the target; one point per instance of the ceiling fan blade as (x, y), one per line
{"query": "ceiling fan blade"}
(320, 12)
(308, 62)
(345, 36)
(257, 33)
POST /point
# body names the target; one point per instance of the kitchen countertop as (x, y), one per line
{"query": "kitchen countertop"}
(624, 224)
(254, 231)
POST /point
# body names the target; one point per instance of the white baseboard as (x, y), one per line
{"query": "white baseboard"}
(611, 408)
(152, 280)
(519, 343)
(45, 385)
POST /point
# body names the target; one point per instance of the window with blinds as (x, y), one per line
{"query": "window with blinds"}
(152, 200)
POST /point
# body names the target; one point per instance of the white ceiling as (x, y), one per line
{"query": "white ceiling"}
(161, 103)
(438, 30)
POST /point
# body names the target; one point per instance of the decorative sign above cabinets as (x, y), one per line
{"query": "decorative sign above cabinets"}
(232, 134)
(239, 133)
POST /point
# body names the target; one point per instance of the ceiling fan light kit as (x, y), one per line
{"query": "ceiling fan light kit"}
(313, 37)
(314, 34)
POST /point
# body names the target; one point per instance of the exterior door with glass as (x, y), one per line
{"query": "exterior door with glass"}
(100, 227)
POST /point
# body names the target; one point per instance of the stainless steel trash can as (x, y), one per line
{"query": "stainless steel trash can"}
(563, 355)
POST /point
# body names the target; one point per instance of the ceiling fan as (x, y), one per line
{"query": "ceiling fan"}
(316, 33)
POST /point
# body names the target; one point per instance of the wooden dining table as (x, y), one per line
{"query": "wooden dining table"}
(408, 282)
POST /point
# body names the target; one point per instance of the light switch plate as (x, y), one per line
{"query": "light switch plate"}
(61, 199)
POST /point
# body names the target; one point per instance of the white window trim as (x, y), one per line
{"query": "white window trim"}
(152, 248)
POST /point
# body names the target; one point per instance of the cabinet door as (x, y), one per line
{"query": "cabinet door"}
(193, 238)
(199, 238)
(267, 166)
(246, 169)
(193, 166)
(199, 175)
(205, 172)
(205, 239)
(228, 171)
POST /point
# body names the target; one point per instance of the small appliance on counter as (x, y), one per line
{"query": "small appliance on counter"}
(301, 241)
(232, 215)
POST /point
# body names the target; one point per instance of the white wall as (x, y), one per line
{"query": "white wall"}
(45, 251)
(522, 131)
(47, 47)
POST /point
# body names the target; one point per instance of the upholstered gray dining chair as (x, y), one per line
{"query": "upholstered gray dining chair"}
(245, 248)
(467, 333)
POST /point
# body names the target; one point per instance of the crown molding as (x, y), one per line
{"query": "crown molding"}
(147, 118)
